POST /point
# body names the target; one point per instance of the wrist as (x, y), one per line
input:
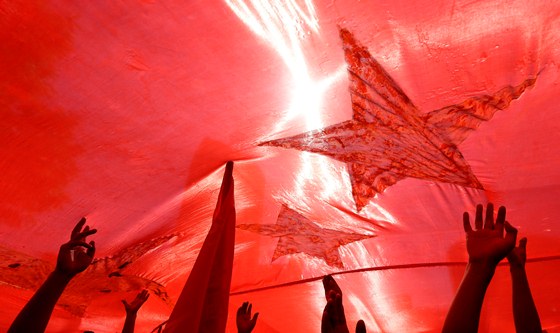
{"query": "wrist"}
(482, 270)
(61, 277)
(482, 266)
(516, 271)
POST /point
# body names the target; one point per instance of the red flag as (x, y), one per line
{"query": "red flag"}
(203, 303)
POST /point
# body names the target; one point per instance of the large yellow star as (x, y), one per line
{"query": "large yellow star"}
(389, 139)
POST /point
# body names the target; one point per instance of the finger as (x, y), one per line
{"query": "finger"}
(339, 309)
(523, 243)
(240, 310)
(327, 282)
(511, 233)
(489, 220)
(499, 226)
(249, 309)
(332, 295)
(91, 250)
(478, 217)
(466, 222)
(78, 227)
(360, 326)
(82, 235)
(255, 317)
(338, 299)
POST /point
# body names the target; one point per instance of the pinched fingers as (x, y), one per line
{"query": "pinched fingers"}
(91, 250)
(78, 243)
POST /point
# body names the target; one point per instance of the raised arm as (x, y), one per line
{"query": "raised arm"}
(132, 310)
(525, 312)
(73, 257)
(486, 246)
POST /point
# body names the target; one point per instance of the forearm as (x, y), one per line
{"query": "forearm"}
(35, 316)
(464, 313)
(525, 313)
(129, 323)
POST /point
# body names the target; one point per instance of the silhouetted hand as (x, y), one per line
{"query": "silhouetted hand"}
(134, 306)
(330, 284)
(76, 255)
(487, 244)
(244, 322)
(334, 320)
(73, 257)
(518, 255)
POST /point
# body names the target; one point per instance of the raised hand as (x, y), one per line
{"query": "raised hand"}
(246, 324)
(487, 244)
(76, 255)
(334, 319)
(73, 257)
(134, 306)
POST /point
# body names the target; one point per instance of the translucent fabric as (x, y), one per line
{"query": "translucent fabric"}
(360, 131)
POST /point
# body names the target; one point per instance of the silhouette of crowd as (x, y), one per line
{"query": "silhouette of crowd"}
(490, 241)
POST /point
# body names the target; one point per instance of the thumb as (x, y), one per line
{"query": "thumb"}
(255, 317)
(523, 243)
(511, 233)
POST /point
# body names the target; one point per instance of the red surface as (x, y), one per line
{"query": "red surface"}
(125, 112)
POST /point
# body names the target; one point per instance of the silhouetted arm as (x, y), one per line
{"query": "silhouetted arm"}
(73, 257)
(486, 247)
(132, 310)
(525, 312)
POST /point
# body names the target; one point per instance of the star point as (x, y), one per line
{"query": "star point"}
(388, 139)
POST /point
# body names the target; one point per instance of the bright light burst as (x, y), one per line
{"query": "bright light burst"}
(284, 24)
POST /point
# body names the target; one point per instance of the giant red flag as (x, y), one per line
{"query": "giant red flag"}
(360, 130)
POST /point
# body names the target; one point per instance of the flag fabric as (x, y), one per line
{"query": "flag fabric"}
(203, 303)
